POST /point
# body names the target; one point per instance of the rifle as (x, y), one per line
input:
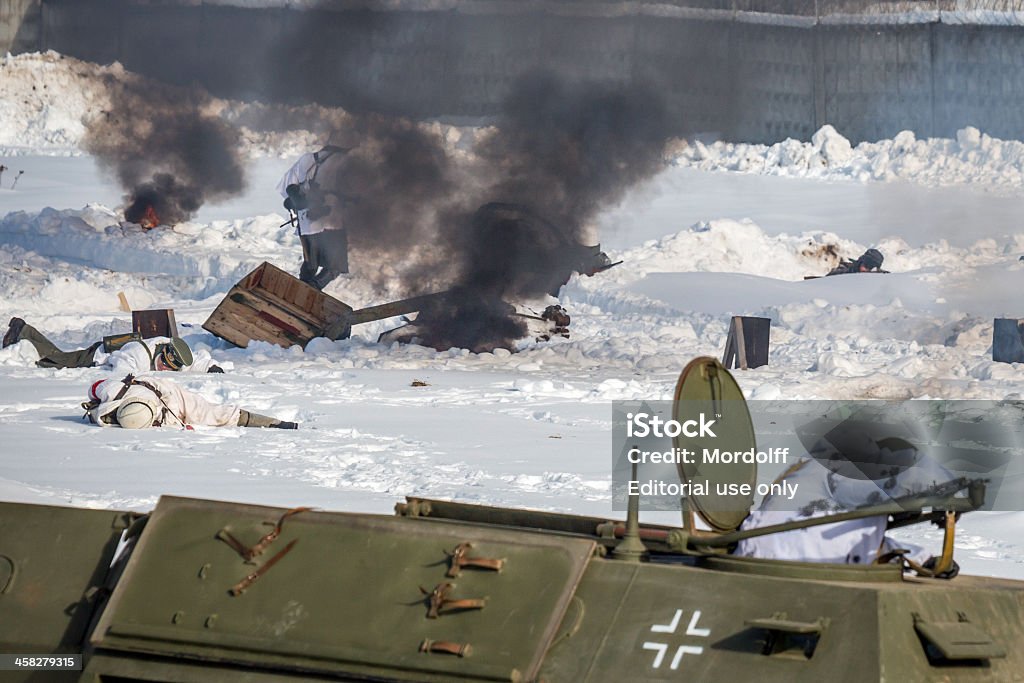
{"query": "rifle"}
(293, 220)
(601, 269)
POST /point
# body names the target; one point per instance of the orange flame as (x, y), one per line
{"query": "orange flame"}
(149, 219)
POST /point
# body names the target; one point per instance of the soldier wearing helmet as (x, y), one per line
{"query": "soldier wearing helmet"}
(847, 469)
(868, 262)
(150, 401)
(142, 355)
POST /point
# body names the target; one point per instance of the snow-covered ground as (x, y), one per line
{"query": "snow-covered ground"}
(723, 230)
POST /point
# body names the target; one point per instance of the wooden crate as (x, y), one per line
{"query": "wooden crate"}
(154, 322)
(270, 305)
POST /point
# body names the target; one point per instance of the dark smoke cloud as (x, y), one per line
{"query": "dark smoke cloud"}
(564, 151)
(333, 58)
(164, 147)
(505, 223)
(560, 154)
(396, 185)
(569, 150)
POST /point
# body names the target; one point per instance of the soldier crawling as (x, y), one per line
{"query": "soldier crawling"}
(868, 262)
(139, 403)
(157, 353)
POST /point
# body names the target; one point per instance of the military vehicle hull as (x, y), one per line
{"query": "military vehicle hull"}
(213, 591)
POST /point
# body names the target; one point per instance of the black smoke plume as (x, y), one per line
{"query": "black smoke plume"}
(503, 219)
(569, 150)
(509, 221)
(393, 189)
(168, 151)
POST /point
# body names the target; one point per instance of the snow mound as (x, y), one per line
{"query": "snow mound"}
(44, 99)
(738, 246)
(973, 157)
(47, 101)
(223, 250)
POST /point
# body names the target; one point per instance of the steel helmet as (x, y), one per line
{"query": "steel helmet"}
(134, 414)
(872, 258)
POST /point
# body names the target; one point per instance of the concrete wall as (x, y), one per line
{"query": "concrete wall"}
(20, 26)
(737, 67)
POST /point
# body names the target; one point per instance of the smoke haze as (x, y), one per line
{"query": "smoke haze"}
(165, 149)
(506, 220)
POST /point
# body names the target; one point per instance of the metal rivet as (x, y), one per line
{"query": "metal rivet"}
(211, 620)
(204, 570)
(178, 616)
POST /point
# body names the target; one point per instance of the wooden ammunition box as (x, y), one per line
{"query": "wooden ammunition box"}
(270, 305)
(156, 322)
(113, 342)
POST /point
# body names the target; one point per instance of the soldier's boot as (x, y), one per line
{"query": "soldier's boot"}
(247, 419)
(49, 355)
(13, 331)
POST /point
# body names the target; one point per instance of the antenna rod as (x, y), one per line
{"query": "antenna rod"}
(631, 548)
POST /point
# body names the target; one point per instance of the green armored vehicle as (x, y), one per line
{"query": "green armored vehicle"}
(200, 590)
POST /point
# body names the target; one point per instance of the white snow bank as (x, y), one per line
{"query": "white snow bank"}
(96, 236)
(973, 157)
(671, 300)
(47, 101)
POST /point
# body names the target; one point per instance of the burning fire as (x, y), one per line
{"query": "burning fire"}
(149, 218)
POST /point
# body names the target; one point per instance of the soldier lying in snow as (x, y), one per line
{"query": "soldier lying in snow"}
(156, 353)
(138, 403)
(869, 262)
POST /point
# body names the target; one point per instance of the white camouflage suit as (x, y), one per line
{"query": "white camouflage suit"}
(855, 541)
(175, 407)
(132, 358)
(324, 239)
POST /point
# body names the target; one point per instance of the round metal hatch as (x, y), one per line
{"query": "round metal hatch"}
(705, 386)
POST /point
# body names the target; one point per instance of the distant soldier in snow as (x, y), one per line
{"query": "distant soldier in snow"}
(882, 471)
(869, 262)
(148, 401)
(318, 214)
(156, 353)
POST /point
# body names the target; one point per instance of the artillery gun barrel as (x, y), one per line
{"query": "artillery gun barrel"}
(342, 327)
(393, 308)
